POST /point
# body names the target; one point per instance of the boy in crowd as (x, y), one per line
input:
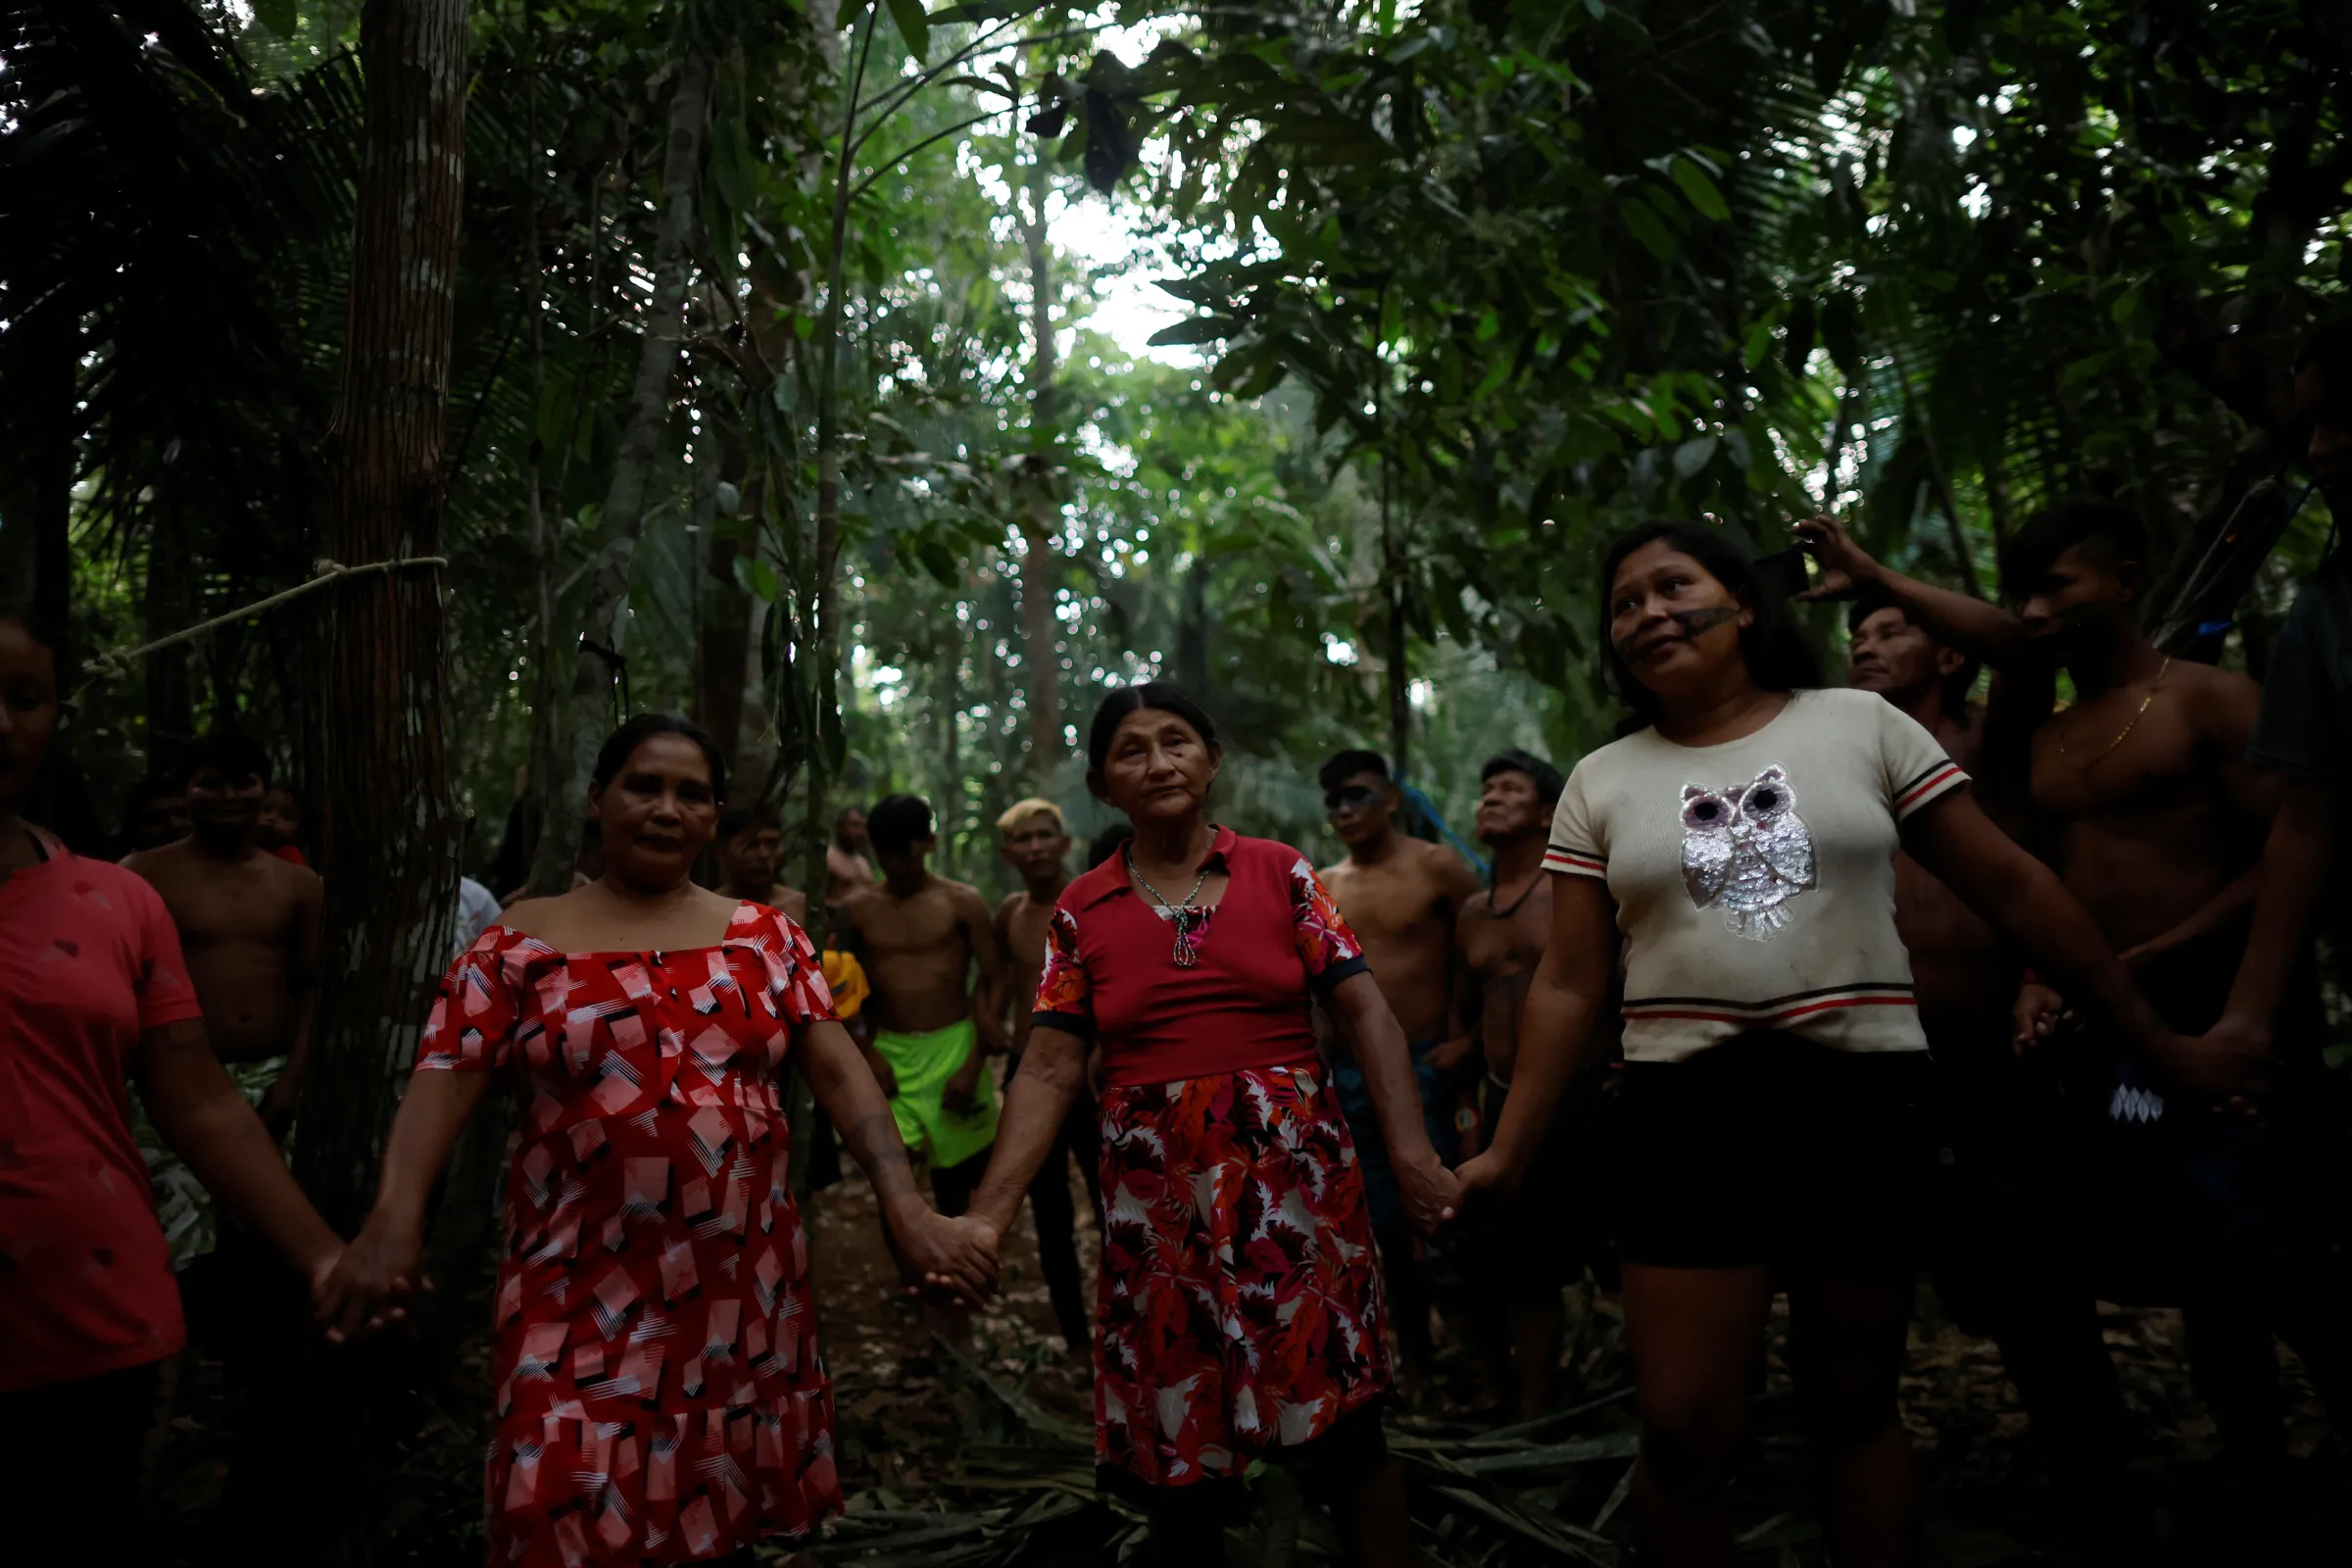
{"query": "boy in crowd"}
(922, 939)
(1032, 839)
(1401, 896)
(248, 923)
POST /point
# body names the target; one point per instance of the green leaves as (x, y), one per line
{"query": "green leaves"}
(913, 26)
(280, 16)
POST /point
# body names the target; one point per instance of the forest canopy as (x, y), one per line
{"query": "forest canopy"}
(1928, 267)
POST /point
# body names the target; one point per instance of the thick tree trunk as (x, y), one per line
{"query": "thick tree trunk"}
(723, 633)
(389, 827)
(1041, 567)
(582, 714)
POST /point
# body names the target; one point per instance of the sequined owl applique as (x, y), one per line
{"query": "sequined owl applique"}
(1746, 851)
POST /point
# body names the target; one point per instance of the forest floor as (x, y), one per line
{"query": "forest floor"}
(995, 1436)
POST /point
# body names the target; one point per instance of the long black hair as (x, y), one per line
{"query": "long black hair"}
(1773, 649)
(1157, 695)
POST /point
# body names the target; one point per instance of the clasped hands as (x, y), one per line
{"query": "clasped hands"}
(2231, 1061)
(946, 1259)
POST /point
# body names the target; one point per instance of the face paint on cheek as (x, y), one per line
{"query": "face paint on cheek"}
(1697, 621)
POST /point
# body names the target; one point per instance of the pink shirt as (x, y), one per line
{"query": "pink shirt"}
(88, 962)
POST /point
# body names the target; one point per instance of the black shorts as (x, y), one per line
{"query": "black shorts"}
(1770, 1149)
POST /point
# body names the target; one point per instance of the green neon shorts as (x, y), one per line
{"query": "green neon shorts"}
(923, 1064)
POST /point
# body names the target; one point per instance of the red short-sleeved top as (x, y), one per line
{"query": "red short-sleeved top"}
(1264, 951)
(88, 962)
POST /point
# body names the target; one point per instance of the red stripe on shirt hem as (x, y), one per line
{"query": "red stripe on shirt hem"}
(1941, 777)
(1633, 1016)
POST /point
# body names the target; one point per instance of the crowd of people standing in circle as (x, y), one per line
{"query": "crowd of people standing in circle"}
(1734, 982)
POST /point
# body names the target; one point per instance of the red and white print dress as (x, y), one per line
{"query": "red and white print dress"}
(1240, 1298)
(659, 1395)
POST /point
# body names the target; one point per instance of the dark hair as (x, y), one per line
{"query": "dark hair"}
(1548, 782)
(622, 744)
(897, 821)
(2113, 532)
(1774, 651)
(1105, 844)
(35, 625)
(1340, 766)
(736, 820)
(1156, 695)
(154, 785)
(233, 756)
(1870, 599)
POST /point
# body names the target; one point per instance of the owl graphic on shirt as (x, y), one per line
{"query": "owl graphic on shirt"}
(1746, 851)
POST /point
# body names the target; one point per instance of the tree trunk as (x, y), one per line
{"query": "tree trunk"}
(722, 645)
(389, 827)
(582, 714)
(1040, 567)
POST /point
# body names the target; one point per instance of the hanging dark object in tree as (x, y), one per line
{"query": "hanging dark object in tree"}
(1109, 144)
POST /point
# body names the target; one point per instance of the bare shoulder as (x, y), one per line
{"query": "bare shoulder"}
(300, 880)
(2216, 697)
(1449, 870)
(1005, 906)
(966, 899)
(528, 916)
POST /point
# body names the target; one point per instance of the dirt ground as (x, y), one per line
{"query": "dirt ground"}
(920, 1429)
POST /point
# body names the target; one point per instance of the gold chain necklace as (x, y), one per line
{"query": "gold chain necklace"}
(2144, 702)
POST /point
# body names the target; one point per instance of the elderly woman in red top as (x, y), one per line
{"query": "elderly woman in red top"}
(659, 1395)
(1240, 1301)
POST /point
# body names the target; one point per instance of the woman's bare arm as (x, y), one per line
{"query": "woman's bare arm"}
(1039, 1095)
(1430, 1191)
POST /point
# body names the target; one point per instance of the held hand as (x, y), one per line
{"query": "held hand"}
(1845, 565)
(1431, 1194)
(2231, 1061)
(2039, 1014)
(371, 1283)
(1488, 1174)
(954, 1259)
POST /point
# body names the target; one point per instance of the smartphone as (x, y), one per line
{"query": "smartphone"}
(1785, 571)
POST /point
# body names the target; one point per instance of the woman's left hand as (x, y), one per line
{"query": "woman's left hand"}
(1432, 1195)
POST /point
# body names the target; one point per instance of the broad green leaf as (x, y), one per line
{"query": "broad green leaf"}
(1646, 226)
(913, 26)
(280, 16)
(1699, 190)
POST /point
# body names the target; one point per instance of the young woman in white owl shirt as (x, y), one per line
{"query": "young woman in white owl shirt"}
(1771, 1133)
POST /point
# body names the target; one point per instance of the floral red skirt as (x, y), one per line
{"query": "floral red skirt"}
(1241, 1302)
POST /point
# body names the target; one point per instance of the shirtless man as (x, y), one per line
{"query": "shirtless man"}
(848, 871)
(249, 925)
(1498, 939)
(1399, 896)
(2154, 820)
(1032, 839)
(2002, 1114)
(921, 938)
(751, 848)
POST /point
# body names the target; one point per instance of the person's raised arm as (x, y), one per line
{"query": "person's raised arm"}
(1036, 1102)
(1567, 993)
(1960, 621)
(196, 1107)
(2023, 899)
(946, 1253)
(2296, 864)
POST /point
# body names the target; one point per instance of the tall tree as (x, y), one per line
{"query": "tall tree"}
(388, 826)
(580, 722)
(1040, 515)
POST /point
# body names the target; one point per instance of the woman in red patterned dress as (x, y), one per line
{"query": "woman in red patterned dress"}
(659, 1395)
(1240, 1301)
